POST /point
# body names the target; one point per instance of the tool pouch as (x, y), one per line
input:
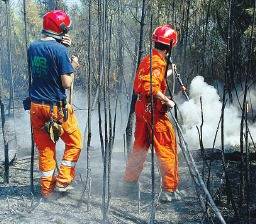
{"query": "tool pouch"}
(160, 107)
(164, 109)
(27, 103)
(54, 130)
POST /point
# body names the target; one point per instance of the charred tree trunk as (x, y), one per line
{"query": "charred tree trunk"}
(226, 89)
(186, 31)
(104, 135)
(6, 149)
(136, 43)
(29, 78)
(98, 95)
(9, 57)
(89, 89)
(153, 206)
(247, 168)
(87, 186)
(242, 162)
(111, 128)
(131, 117)
(205, 36)
(120, 56)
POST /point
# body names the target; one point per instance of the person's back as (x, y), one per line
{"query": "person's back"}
(142, 84)
(142, 78)
(48, 60)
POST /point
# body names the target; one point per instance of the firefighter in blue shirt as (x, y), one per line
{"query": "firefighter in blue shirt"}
(51, 116)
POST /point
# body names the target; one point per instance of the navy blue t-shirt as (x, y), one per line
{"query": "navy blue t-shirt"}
(48, 60)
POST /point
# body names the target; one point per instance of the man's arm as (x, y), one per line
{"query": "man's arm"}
(67, 80)
(157, 78)
(169, 103)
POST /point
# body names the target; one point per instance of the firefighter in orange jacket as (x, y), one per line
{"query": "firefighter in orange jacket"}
(51, 116)
(164, 37)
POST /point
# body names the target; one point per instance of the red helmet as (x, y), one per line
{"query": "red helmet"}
(166, 35)
(56, 23)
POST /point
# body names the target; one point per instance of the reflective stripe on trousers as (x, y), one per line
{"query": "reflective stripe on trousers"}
(47, 173)
(68, 163)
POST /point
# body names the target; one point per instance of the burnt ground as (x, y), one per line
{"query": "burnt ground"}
(18, 205)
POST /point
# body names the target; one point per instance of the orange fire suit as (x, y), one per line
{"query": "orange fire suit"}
(164, 134)
(71, 136)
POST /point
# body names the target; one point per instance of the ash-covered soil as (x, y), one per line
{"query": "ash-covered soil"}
(18, 205)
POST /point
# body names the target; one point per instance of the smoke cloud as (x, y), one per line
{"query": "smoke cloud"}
(191, 112)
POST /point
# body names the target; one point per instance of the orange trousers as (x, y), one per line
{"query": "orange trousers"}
(165, 149)
(72, 138)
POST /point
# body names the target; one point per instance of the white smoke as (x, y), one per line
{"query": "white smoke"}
(191, 112)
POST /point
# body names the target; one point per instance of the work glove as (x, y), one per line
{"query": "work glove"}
(166, 106)
(66, 40)
(170, 104)
(54, 130)
(170, 71)
(74, 61)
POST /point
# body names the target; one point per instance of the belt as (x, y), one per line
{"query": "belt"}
(143, 97)
(60, 103)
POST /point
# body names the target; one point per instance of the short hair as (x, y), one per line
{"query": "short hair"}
(161, 46)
